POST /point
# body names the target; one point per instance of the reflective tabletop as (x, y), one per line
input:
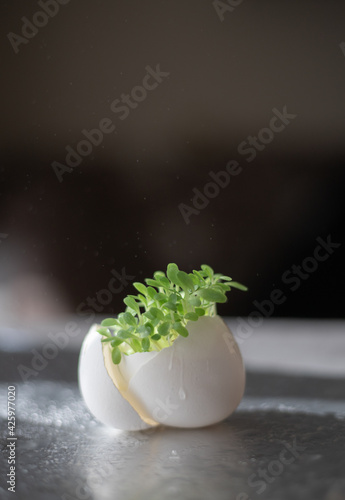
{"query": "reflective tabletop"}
(285, 441)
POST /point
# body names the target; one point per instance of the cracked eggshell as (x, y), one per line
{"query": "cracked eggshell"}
(98, 390)
(198, 381)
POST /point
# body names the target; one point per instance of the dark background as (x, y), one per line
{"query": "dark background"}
(119, 207)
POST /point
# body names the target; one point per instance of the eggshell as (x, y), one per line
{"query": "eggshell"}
(198, 381)
(98, 390)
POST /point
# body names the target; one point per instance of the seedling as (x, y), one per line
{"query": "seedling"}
(159, 313)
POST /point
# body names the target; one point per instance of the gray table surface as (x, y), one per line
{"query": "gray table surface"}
(285, 441)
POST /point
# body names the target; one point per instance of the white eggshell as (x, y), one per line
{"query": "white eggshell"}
(98, 390)
(198, 381)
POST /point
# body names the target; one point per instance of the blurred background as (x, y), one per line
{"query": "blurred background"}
(66, 231)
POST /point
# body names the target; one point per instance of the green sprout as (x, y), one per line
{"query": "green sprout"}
(159, 313)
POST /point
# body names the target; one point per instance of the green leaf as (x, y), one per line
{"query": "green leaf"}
(156, 337)
(160, 297)
(130, 302)
(123, 334)
(200, 311)
(136, 345)
(143, 299)
(157, 313)
(149, 325)
(185, 280)
(200, 278)
(180, 308)
(180, 329)
(152, 283)
(164, 328)
(140, 287)
(212, 295)
(152, 292)
(103, 331)
(177, 317)
(163, 281)
(195, 301)
(116, 342)
(172, 271)
(155, 321)
(116, 355)
(192, 316)
(208, 270)
(173, 298)
(169, 305)
(194, 278)
(149, 314)
(221, 287)
(217, 276)
(129, 318)
(144, 331)
(172, 267)
(158, 274)
(108, 339)
(122, 320)
(239, 286)
(145, 343)
(109, 322)
(135, 297)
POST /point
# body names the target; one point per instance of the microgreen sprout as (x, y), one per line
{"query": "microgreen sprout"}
(159, 313)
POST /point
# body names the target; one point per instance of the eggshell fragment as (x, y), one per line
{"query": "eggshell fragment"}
(198, 381)
(98, 390)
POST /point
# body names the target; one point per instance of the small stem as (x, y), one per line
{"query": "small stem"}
(156, 345)
(185, 302)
